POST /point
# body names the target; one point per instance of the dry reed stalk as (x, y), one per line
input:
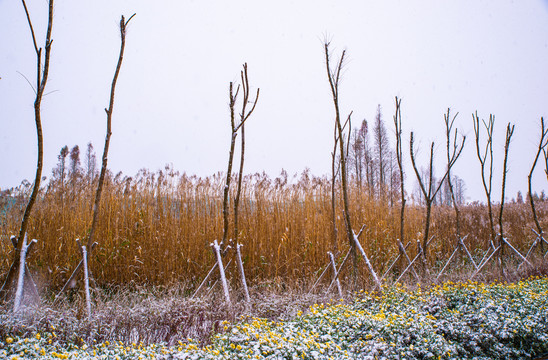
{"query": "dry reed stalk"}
(287, 229)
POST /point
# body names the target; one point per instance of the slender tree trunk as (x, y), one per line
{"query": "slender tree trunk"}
(41, 80)
(334, 84)
(541, 146)
(95, 209)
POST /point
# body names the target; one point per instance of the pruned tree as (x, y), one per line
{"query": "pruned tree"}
(429, 188)
(95, 210)
(485, 158)
(509, 133)
(235, 127)
(42, 66)
(543, 142)
(453, 147)
(399, 158)
(334, 77)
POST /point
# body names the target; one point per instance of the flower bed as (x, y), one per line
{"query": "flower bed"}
(451, 321)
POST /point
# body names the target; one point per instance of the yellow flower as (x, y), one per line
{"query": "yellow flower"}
(37, 336)
(9, 340)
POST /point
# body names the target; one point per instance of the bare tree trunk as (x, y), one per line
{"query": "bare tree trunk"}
(433, 189)
(541, 146)
(487, 155)
(399, 157)
(509, 133)
(334, 78)
(334, 171)
(452, 149)
(41, 80)
(230, 159)
(244, 115)
(239, 188)
(123, 26)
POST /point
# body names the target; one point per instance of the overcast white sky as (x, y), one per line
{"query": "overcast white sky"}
(172, 96)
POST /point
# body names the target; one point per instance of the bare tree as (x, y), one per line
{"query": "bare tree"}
(541, 147)
(41, 80)
(452, 148)
(399, 158)
(335, 168)
(95, 209)
(429, 188)
(334, 78)
(509, 133)
(244, 115)
(486, 161)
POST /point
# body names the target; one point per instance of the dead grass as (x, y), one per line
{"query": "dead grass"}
(156, 314)
(134, 314)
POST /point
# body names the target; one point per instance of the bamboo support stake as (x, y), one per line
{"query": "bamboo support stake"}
(242, 273)
(21, 278)
(335, 274)
(487, 254)
(339, 270)
(86, 280)
(533, 246)
(408, 259)
(419, 254)
(211, 272)
(539, 240)
(204, 280)
(367, 263)
(516, 251)
(409, 266)
(74, 274)
(485, 262)
(397, 258)
(28, 276)
(217, 280)
(448, 261)
(319, 278)
(461, 242)
(217, 251)
(460, 245)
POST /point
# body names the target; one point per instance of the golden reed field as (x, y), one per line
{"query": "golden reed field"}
(156, 228)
